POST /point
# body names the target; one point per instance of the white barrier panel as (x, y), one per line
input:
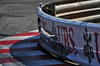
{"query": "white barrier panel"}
(81, 38)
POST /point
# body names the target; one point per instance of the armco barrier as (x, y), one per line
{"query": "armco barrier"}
(81, 38)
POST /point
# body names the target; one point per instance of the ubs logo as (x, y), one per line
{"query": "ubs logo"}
(87, 49)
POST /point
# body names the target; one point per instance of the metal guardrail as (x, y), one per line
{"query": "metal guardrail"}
(87, 11)
(78, 5)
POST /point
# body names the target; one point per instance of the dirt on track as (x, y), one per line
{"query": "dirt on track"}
(18, 16)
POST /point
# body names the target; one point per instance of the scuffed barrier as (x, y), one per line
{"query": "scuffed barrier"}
(80, 38)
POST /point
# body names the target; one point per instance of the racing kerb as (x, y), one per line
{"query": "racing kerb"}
(81, 38)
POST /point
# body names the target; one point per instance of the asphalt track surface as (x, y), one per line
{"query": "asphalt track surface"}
(24, 50)
(18, 16)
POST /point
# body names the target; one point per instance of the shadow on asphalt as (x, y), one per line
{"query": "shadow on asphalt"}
(24, 50)
(5, 35)
(29, 52)
(9, 15)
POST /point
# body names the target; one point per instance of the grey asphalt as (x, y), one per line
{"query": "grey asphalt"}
(18, 16)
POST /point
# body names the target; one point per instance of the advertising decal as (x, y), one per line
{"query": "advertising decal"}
(82, 41)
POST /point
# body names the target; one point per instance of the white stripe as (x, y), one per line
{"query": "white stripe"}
(20, 38)
(22, 45)
(5, 46)
(34, 31)
(5, 55)
(13, 64)
(35, 63)
(1, 65)
(45, 62)
(29, 53)
(20, 54)
(25, 45)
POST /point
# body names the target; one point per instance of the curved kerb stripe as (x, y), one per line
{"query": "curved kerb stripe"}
(27, 49)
